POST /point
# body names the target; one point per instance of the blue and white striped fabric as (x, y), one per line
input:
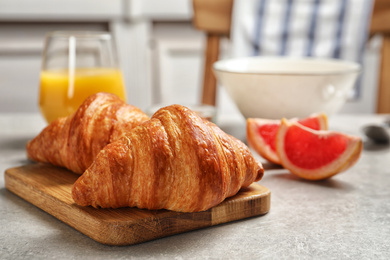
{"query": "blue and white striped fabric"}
(318, 28)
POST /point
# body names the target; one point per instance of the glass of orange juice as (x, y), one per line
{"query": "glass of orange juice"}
(75, 65)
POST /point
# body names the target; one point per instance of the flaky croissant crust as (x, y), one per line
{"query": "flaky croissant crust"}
(73, 142)
(174, 161)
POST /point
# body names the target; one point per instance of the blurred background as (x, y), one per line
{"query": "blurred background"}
(160, 51)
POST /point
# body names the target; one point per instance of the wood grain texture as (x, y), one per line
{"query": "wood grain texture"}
(380, 24)
(213, 16)
(209, 91)
(383, 102)
(49, 188)
(380, 19)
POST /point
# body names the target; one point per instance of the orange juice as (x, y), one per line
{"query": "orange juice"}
(60, 96)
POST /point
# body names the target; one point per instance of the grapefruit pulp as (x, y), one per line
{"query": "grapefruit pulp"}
(315, 154)
(261, 133)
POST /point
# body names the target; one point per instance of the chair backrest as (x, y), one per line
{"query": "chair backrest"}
(214, 18)
(380, 24)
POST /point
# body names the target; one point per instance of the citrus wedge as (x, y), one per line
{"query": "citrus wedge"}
(261, 133)
(315, 154)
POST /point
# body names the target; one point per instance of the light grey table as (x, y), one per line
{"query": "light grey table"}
(346, 217)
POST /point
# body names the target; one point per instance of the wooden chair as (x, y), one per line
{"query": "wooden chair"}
(380, 24)
(214, 18)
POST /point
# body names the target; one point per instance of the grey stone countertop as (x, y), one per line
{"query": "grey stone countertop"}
(345, 217)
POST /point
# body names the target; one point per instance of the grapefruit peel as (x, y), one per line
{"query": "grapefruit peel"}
(264, 143)
(315, 154)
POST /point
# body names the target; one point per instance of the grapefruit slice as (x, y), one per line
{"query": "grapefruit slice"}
(315, 154)
(261, 133)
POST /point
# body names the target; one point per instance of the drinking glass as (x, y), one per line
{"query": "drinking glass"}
(75, 65)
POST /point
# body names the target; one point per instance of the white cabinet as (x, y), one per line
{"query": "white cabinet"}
(23, 25)
(176, 56)
(160, 53)
(20, 61)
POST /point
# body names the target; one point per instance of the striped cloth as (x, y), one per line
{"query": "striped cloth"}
(317, 28)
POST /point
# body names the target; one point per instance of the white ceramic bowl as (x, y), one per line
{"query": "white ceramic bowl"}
(276, 87)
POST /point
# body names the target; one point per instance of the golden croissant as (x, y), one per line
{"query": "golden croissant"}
(175, 161)
(74, 141)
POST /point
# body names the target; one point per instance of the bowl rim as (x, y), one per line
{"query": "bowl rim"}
(353, 67)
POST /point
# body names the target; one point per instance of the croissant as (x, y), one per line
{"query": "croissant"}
(175, 161)
(74, 141)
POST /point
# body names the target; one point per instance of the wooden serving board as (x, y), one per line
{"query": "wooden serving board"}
(49, 188)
